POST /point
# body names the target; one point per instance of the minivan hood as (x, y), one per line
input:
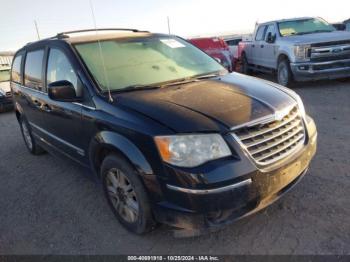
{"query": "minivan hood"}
(208, 105)
(327, 37)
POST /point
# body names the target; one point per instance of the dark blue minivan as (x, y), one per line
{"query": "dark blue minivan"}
(173, 136)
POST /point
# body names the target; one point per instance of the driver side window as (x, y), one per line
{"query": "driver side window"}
(59, 68)
(270, 29)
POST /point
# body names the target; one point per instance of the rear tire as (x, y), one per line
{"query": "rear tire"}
(29, 139)
(126, 195)
(245, 65)
(284, 73)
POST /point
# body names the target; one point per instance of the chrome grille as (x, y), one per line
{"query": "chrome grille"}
(269, 142)
(330, 53)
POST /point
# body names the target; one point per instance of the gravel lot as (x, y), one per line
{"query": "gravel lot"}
(49, 205)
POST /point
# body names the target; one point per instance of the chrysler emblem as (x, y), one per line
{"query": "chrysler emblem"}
(282, 113)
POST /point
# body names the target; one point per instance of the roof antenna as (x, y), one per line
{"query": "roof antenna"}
(168, 20)
(37, 29)
(110, 98)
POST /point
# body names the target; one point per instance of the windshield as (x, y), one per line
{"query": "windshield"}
(4, 75)
(304, 26)
(144, 61)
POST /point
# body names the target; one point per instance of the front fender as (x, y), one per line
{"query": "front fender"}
(286, 51)
(116, 142)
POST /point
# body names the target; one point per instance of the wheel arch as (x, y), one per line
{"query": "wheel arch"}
(18, 111)
(108, 142)
(282, 56)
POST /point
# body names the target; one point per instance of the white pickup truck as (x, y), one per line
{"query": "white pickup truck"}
(298, 49)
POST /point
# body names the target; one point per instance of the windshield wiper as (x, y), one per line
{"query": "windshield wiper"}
(311, 32)
(299, 33)
(136, 87)
(208, 76)
(322, 31)
(180, 82)
(195, 78)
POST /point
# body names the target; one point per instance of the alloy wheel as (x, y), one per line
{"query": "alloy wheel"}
(122, 195)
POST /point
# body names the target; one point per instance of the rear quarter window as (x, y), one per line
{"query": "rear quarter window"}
(16, 70)
(234, 42)
(33, 70)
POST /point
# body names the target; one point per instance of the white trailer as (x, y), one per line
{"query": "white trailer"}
(5, 59)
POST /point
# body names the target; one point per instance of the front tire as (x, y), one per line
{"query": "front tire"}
(126, 195)
(284, 73)
(28, 138)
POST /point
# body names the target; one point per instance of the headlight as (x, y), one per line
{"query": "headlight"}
(191, 150)
(301, 52)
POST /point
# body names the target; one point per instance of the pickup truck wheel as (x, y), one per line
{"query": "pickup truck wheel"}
(284, 74)
(245, 66)
(28, 138)
(126, 195)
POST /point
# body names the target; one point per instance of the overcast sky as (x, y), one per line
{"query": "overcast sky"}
(187, 18)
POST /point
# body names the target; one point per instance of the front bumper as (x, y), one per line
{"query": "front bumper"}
(321, 70)
(198, 210)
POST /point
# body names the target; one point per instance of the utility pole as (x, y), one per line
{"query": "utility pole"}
(168, 24)
(37, 29)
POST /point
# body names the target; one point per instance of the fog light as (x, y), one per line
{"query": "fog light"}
(303, 67)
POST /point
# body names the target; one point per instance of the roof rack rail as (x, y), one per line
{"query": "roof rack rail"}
(65, 34)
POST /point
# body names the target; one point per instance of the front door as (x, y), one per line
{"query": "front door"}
(269, 56)
(258, 47)
(63, 123)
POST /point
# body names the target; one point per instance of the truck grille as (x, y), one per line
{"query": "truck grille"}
(343, 42)
(270, 142)
(330, 53)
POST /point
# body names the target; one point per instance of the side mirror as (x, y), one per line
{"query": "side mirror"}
(270, 38)
(63, 91)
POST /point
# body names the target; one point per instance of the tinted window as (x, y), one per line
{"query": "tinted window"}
(270, 29)
(16, 69)
(233, 42)
(237, 41)
(59, 68)
(304, 26)
(33, 70)
(260, 33)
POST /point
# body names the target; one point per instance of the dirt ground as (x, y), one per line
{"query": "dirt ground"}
(49, 206)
